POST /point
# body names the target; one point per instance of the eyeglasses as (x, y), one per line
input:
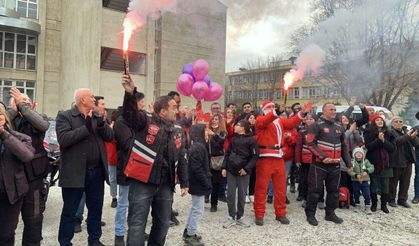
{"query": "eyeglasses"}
(398, 121)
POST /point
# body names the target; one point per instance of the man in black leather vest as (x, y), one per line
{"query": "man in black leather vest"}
(161, 147)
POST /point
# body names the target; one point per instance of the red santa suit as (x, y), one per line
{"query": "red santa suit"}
(270, 138)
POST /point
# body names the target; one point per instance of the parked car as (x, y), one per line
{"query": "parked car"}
(356, 113)
(53, 150)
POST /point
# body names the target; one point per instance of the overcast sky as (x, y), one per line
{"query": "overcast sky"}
(261, 28)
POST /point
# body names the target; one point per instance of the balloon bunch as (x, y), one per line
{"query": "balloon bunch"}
(194, 81)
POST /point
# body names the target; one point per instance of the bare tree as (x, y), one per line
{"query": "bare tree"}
(373, 59)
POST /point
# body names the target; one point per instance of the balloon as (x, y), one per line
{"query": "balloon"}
(200, 69)
(184, 84)
(199, 89)
(214, 92)
(187, 68)
(207, 80)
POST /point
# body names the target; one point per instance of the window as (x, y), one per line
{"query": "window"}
(25, 86)
(294, 93)
(278, 94)
(17, 51)
(27, 8)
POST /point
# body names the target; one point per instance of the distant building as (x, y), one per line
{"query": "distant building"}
(50, 48)
(257, 85)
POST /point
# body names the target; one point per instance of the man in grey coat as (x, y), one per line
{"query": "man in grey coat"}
(83, 167)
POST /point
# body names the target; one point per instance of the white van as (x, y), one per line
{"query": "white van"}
(357, 114)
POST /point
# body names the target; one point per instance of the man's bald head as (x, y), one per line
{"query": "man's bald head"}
(83, 97)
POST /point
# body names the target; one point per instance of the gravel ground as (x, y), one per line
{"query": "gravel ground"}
(400, 227)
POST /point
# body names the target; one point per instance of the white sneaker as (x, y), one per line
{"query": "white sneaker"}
(357, 208)
(229, 223)
(252, 198)
(368, 210)
(242, 222)
(247, 199)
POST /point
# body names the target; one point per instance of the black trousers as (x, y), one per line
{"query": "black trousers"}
(252, 182)
(9, 214)
(303, 182)
(330, 175)
(32, 213)
(216, 180)
(401, 177)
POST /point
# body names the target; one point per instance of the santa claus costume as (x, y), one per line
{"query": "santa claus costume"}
(270, 138)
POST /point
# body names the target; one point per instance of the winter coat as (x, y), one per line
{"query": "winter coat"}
(302, 153)
(33, 125)
(72, 134)
(378, 152)
(289, 143)
(404, 153)
(123, 137)
(242, 153)
(165, 139)
(16, 148)
(361, 166)
(199, 174)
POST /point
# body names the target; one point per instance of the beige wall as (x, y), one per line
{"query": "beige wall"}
(192, 36)
(73, 32)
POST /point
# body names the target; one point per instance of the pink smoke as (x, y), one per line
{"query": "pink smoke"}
(310, 59)
(139, 10)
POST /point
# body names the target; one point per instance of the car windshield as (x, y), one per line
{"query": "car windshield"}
(51, 134)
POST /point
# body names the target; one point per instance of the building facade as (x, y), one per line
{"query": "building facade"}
(258, 85)
(48, 48)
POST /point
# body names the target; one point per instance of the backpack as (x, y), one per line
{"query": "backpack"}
(344, 197)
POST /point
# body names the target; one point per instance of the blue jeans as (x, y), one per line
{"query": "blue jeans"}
(141, 197)
(195, 215)
(112, 181)
(121, 210)
(363, 187)
(94, 190)
(417, 177)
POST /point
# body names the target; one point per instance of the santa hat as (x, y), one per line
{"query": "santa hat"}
(373, 117)
(266, 104)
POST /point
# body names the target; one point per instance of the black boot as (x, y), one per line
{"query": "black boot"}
(374, 202)
(384, 203)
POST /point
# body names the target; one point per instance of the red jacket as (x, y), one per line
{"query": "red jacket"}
(289, 143)
(111, 152)
(302, 153)
(270, 133)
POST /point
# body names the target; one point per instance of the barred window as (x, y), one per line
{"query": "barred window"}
(17, 51)
(25, 86)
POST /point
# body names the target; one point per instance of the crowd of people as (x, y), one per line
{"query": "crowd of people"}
(218, 156)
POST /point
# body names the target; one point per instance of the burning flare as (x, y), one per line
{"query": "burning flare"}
(128, 30)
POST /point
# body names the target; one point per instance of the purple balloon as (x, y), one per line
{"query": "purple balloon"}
(207, 80)
(184, 84)
(214, 92)
(187, 68)
(199, 90)
(200, 69)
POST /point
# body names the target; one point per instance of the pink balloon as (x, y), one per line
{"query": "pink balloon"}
(214, 93)
(199, 89)
(184, 84)
(200, 69)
